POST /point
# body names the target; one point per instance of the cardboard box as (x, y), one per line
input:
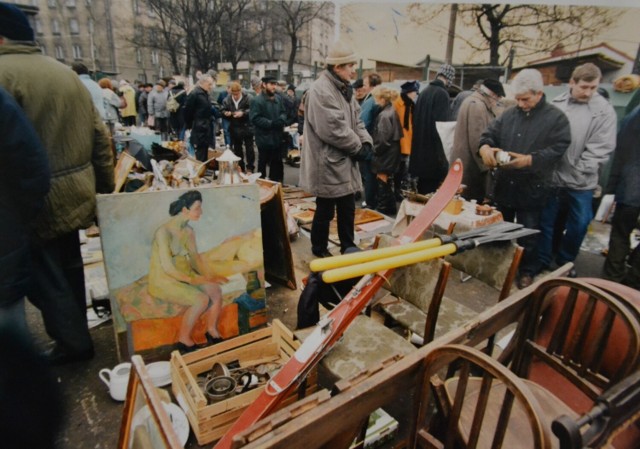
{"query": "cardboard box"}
(210, 421)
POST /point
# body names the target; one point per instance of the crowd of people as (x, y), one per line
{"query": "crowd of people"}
(537, 160)
(356, 137)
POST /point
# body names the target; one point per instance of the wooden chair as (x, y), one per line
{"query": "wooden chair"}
(576, 341)
(573, 343)
(495, 265)
(484, 405)
(367, 343)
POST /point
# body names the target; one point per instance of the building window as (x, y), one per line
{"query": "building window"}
(38, 26)
(70, 3)
(299, 45)
(52, 3)
(142, 77)
(277, 45)
(43, 49)
(59, 52)
(136, 6)
(138, 56)
(77, 51)
(55, 26)
(73, 26)
(154, 57)
(90, 25)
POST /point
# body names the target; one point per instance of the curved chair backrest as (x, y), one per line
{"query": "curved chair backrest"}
(485, 405)
(578, 341)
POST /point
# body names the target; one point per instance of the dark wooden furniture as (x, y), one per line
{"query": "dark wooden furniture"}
(482, 403)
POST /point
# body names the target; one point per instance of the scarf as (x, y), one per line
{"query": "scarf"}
(344, 86)
(408, 111)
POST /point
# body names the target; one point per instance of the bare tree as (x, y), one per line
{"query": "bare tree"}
(162, 33)
(296, 16)
(239, 32)
(189, 28)
(530, 29)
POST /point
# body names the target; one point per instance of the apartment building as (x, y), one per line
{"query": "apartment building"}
(121, 39)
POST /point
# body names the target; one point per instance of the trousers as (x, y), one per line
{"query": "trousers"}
(579, 212)
(620, 255)
(345, 207)
(529, 218)
(272, 158)
(58, 291)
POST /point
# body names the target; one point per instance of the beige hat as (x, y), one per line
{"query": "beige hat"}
(341, 53)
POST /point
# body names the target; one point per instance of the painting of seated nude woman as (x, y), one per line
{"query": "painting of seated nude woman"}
(184, 267)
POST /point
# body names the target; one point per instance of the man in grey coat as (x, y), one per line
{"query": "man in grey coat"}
(593, 138)
(335, 139)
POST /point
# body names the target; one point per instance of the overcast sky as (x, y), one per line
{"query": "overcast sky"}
(383, 30)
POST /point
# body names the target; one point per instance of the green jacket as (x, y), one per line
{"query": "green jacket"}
(70, 129)
(268, 117)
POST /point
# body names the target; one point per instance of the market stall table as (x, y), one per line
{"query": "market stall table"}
(465, 220)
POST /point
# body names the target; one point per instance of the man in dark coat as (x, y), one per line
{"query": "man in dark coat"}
(625, 183)
(536, 136)
(235, 108)
(176, 118)
(428, 162)
(198, 116)
(25, 178)
(268, 117)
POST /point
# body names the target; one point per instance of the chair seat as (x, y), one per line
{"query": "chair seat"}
(365, 344)
(518, 434)
(452, 315)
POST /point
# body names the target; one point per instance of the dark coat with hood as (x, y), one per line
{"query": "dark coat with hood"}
(428, 160)
(545, 134)
(25, 178)
(198, 116)
(387, 133)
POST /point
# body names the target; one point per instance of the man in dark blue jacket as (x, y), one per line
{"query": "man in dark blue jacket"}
(536, 135)
(624, 181)
(25, 178)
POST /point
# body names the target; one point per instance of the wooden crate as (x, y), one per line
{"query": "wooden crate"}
(209, 422)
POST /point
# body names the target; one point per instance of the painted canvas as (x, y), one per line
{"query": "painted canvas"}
(183, 266)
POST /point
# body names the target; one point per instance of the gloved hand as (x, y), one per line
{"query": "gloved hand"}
(365, 153)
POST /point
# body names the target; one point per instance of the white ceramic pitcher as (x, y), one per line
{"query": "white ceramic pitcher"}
(117, 380)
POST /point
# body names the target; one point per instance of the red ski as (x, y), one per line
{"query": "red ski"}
(335, 323)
